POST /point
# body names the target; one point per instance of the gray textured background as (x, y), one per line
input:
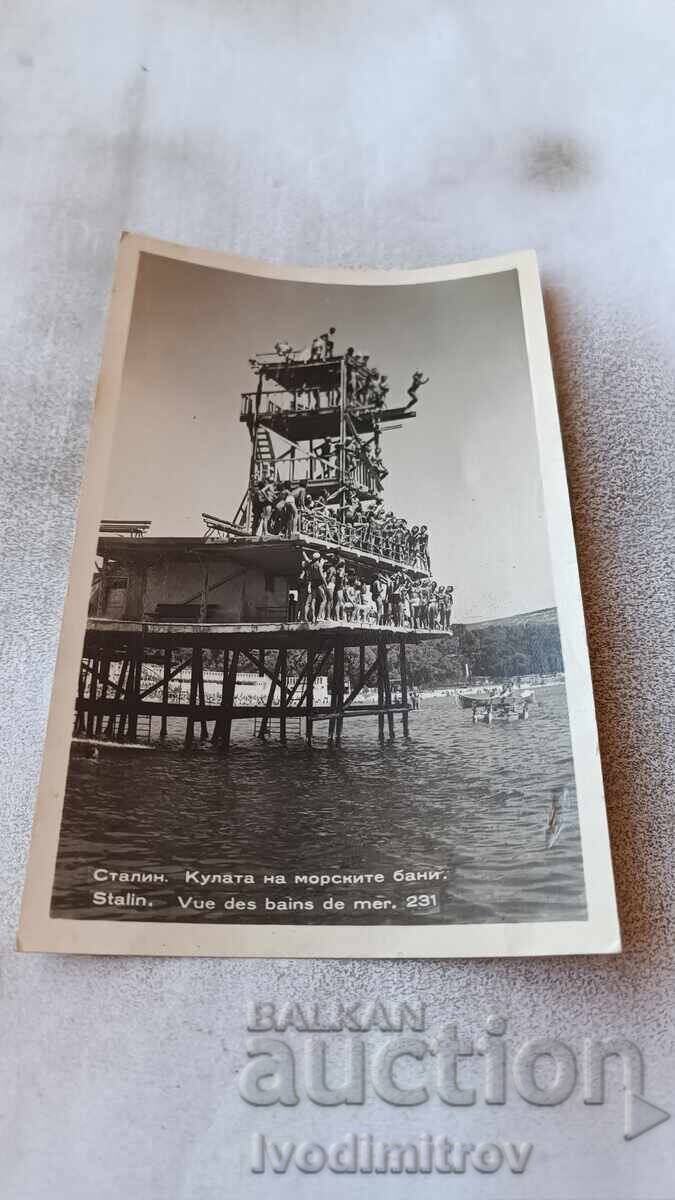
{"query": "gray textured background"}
(384, 134)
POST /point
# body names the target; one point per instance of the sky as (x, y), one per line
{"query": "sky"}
(467, 465)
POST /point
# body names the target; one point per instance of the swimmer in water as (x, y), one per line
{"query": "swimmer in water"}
(556, 817)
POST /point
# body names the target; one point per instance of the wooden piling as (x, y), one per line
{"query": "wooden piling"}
(134, 688)
(223, 727)
(105, 681)
(380, 689)
(165, 689)
(112, 706)
(194, 684)
(231, 692)
(262, 733)
(93, 690)
(283, 683)
(219, 721)
(333, 694)
(340, 689)
(309, 693)
(110, 728)
(201, 696)
(78, 727)
(387, 691)
(404, 686)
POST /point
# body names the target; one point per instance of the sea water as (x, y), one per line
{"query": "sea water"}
(469, 801)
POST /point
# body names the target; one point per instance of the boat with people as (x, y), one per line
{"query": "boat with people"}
(493, 695)
(504, 702)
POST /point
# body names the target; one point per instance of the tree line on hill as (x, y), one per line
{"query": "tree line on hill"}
(497, 651)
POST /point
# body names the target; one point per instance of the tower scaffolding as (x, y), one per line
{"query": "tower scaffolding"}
(314, 428)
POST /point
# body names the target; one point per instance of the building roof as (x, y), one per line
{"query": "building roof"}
(275, 555)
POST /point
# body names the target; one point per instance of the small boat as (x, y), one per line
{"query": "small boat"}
(496, 697)
(510, 702)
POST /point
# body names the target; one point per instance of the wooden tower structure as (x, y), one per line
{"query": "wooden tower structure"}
(315, 427)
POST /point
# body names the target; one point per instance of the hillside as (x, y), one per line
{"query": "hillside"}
(540, 616)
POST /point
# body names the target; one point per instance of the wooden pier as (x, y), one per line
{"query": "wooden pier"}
(112, 696)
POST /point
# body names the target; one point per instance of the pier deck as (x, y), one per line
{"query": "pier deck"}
(272, 633)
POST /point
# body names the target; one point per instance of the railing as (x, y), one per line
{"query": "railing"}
(361, 473)
(134, 529)
(304, 468)
(325, 528)
(310, 468)
(273, 402)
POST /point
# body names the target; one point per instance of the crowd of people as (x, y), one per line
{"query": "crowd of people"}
(287, 510)
(366, 387)
(329, 588)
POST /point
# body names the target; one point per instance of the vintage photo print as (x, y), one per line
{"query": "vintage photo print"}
(323, 684)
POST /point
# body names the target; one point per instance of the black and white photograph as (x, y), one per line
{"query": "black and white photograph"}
(323, 681)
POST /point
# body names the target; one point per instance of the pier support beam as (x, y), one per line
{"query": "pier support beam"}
(81, 686)
(134, 688)
(387, 692)
(105, 681)
(111, 697)
(283, 701)
(165, 689)
(194, 685)
(201, 697)
(262, 734)
(223, 725)
(404, 686)
(93, 690)
(309, 693)
(340, 690)
(119, 692)
(380, 689)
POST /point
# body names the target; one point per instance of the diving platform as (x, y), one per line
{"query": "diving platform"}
(303, 421)
(272, 553)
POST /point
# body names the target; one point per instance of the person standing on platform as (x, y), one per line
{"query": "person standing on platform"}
(350, 365)
(424, 547)
(381, 392)
(339, 586)
(432, 607)
(449, 599)
(325, 453)
(328, 343)
(379, 596)
(263, 500)
(317, 596)
(395, 600)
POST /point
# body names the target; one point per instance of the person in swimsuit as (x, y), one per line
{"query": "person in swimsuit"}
(328, 343)
(418, 381)
(395, 598)
(318, 588)
(263, 499)
(339, 585)
(424, 547)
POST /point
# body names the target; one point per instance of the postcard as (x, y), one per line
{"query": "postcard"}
(323, 686)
